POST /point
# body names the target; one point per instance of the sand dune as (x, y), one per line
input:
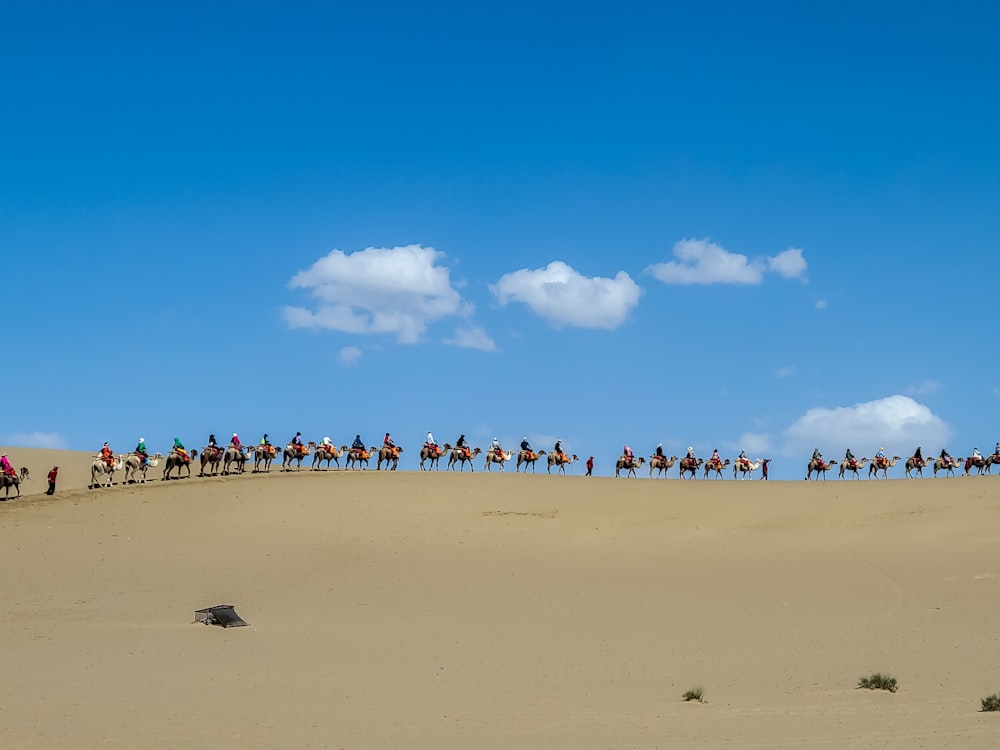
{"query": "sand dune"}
(493, 610)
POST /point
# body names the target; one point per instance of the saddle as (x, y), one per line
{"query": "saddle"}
(852, 463)
(498, 453)
(359, 453)
(466, 452)
(820, 464)
(300, 449)
(882, 463)
(744, 461)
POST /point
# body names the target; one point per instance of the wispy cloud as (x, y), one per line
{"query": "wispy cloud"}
(563, 296)
(922, 389)
(821, 304)
(472, 337)
(704, 262)
(785, 372)
(897, 422)
(755, 444)
(34, 440)
(350, 355)
(396, 291)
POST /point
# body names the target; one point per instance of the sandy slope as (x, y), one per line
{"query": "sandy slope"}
(499, 611)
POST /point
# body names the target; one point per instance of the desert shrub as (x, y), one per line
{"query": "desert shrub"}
(693, 695)
(879, 681)
(991, 702)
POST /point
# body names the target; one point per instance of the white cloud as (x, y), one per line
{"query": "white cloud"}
(789, 264)
(704, 262)
(922, 389)
(785, 372)
(821, 304)
(897, 422)
(564, 297)
(350, 355)
(472, 337)
(756, 445)
(34, 440)
(397, 291)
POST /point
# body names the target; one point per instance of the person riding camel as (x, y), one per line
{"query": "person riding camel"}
(850, 460)
(141, 452)
(918, 457)
(629, 457)
(559, 451)
(181, 451)
(659, 451)
(996, 451)
(358, 446)
(495, 447)
(297, 445)
(6, 467)
(977, 457)
(463, 445)
(235, 442)
(880, 460)
(389, 443)
(213, 445)
(716, 458)
(431, 443)
(326, 444)
(107, 456)
(742, 459)
(526, 448)
(265, 445)
(946, 458)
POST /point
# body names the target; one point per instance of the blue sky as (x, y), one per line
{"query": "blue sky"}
(768, 227)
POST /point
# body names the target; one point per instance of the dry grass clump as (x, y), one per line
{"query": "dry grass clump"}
(991, 702)
(879, 681)
(694, 695)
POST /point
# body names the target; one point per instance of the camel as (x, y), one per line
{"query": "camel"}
(528, 458)
(717, 467)
(385, 453)
(434, 454)
(941, 465)
(631, 466)
(233, 455)
(992, 459)
(977, 462)
(134, 467)
(660, 464)
(292, 453)
(493, 458)
(11, 480)
(24, 475)
(263, 455)
(327, 453)
(846, 466)
(360, 457)
(743, 469)
(210, 458)
(876, 466)
(99, 469)
(561, 460)
(819, 467)
(690, 464)
(175, 461)
(916, 464)
(460, 456)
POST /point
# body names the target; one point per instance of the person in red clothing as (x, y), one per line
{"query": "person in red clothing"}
(590, 466)
(52, 480)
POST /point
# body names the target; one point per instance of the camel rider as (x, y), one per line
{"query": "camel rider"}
(181, 451)
(298, 445)
(141, 452)
(463, 445)
(358, 446)
(526, 447)
(716, 459)
(918, 456)
(849, 459)
(495, 447)
(948, 460)
(235, 442)
(107, 456)
(627, 452)
(558, 450)
(817, 457)
(996, 451)
(5, 465)
(690, 454)
(326, 444)
(659, 451)
(976, 455)
(880, 458)
(742, 458)
(389, 443)
(212, 444)
(266, 445)
(430, 443)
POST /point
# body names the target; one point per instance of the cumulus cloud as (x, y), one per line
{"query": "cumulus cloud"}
(396, 291)
(789, 264)
(897, 422)
(472, 337)
(350, 355)
(562, 296)
(34, 440)
(704, 262)
(755, 444)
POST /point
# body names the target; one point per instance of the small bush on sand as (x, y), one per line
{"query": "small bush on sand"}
(879, 681)
(694, 695)
(991, 702)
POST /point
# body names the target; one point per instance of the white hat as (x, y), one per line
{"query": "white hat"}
(659, 445)
(326, 438)
(142, 440)
(234, 434)
(690, 449)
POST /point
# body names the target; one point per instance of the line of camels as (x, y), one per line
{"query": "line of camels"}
(914, 466)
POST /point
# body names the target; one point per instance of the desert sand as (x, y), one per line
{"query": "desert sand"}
(445, 610)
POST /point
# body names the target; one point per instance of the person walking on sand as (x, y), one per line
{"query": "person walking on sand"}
(590, 466)
(52, 480)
